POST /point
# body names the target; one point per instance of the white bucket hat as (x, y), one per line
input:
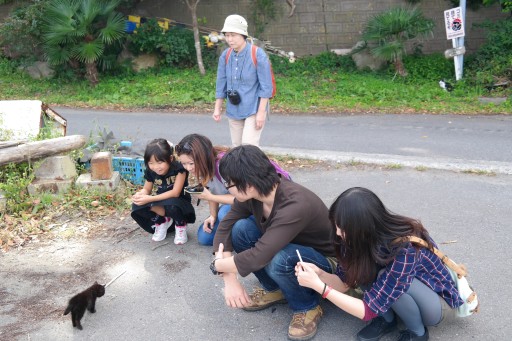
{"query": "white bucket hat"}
(235, 24)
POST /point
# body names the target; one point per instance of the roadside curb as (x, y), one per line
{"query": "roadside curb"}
(457, 165)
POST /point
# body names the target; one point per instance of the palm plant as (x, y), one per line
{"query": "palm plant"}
(387, 34)
(78, 32)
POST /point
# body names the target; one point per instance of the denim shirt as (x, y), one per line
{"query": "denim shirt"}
(240, 74)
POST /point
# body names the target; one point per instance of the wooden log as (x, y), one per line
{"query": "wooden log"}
(40, 149)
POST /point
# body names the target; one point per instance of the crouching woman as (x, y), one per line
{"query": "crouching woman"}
(398, 279)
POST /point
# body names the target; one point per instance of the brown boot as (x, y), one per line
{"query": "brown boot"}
(304, 325)
(262, 299)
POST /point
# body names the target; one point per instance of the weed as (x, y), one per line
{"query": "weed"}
(420, 168)
(14, 179)
(393, 166)
(478, 172)
(355, 163)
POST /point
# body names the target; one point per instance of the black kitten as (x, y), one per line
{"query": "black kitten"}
(85, 299)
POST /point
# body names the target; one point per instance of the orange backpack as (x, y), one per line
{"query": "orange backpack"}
(255, 62)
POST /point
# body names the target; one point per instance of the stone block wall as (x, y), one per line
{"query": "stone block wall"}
(322, 25)
(319, 25)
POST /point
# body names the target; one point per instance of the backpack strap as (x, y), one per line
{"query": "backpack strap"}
(459, 269)
(254, 50)
(228, 54)
(217, 160)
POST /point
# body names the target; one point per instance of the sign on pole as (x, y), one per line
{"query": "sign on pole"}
(454, 23)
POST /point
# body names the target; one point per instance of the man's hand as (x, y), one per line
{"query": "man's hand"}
(234, 292)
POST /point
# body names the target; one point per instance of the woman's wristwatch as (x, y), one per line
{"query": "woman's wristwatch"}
(213, 268)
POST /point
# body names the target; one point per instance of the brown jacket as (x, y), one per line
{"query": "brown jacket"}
(298, 216)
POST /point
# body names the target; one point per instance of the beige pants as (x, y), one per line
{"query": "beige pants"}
(244, 131)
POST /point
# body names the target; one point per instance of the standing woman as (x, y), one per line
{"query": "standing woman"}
(399, 279)
(247, 86)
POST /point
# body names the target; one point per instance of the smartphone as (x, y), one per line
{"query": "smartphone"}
(300, 258)
(298, 254)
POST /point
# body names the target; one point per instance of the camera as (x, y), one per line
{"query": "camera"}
(234, 97)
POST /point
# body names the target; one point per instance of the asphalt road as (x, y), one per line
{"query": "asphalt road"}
(170, 294)
(434, 141)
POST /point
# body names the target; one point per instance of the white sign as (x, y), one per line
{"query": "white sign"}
(454, 24)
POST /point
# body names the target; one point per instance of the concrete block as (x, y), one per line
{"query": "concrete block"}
(101, 166)
(56, 167)
(111, 184)
(49, 186)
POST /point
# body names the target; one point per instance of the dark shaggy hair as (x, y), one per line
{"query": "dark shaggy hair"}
(369, 230)
(160, 149)
(247, 165)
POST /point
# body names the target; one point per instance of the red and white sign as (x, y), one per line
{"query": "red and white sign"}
(454, 23)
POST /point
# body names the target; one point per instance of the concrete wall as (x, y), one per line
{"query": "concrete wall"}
(322, 25)
(317, 25)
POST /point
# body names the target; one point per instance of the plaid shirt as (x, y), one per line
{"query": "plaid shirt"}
(397, 276)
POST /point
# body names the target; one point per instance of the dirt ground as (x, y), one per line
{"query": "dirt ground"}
(55, 268)
(41, 272)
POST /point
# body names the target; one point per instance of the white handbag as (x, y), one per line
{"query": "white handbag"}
(458, 273)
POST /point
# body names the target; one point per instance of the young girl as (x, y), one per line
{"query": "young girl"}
(398, 278)
(154, 212)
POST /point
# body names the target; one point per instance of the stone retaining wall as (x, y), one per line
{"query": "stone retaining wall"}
(318, 25)
(322, 25)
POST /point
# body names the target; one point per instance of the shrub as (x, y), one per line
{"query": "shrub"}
(20, 34)
(325, 61)
(431, 67)
(174, 46)
(388, 32)
(493, 61)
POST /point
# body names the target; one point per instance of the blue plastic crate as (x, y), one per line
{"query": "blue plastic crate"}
(130, 169)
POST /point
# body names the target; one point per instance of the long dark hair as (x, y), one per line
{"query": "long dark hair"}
(368, 231)
(200, 149)
(161, 150)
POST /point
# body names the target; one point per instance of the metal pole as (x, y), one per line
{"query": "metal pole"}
(459, 42)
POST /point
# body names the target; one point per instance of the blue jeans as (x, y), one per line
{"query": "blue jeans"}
(205, 238)
(280, 272)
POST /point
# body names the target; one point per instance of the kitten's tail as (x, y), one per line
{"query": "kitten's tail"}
(68, 309)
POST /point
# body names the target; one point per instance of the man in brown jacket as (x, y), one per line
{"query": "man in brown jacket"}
(287, 217)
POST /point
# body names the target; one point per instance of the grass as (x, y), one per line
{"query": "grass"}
(478, 172)
(323, 91)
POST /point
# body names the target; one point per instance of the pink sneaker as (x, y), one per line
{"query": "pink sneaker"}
(161, 230)
(181, 235)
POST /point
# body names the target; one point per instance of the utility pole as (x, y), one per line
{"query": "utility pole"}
(454, 23)
(458, 60)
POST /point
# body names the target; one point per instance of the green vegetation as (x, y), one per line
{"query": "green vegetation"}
(325, 83)
(80, 32)
(307, 86)
(387, 34)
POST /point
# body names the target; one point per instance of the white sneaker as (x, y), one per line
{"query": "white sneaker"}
(161, 231)
(181, 235)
